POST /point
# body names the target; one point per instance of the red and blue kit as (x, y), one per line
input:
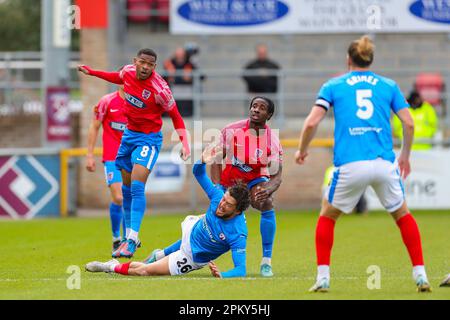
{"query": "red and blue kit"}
(146, 101)
(110, 112)
(248, 154)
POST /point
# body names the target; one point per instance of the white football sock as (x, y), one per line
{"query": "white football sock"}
(127, 231)
(419, 271)
(112, 267)
(266, 260)
(159, 255)
(323, 271)
(133, 235)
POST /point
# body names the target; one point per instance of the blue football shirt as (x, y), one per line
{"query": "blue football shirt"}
(212, 236)
(362, 103)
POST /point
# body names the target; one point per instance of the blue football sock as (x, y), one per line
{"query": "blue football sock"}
(138, 204)
(267, 228)
(124, 226)
(115, 213)
(172, 248)
(126, 193)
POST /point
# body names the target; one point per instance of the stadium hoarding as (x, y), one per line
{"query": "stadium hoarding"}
(58, 128)
(428, 184)
(308, 16)
(167, 176)
(29, 180)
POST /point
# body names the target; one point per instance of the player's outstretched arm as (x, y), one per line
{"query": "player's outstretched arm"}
(113, 77)
(199, 171)
(216, 167)
(308, 132)
(180, 127)
(239, 260)
(408, 137)
(209, 155)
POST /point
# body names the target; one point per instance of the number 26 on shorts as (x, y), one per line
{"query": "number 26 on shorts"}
(186, 267)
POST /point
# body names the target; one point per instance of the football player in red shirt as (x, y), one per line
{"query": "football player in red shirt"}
(254, 155)
(109, 115)
(147, 97)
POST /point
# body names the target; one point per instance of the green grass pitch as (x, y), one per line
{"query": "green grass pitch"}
(36, 255)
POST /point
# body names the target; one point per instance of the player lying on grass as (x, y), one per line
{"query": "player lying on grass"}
(363, 155)
(204, 238)
(253, 155)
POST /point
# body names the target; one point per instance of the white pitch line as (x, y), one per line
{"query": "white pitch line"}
(140, 279)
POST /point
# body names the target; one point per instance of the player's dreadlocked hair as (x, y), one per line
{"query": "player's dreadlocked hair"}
(241, 194)
(361, 51)
(270, 104)
(148, 52)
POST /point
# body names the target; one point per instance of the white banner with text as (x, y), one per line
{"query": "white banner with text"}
(428, 185)
(308, 16)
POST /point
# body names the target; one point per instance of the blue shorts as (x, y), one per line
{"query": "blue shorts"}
(252, 183)
(138, 148)
(112, 174)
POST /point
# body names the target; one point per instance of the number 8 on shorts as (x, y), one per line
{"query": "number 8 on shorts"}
(145, 156)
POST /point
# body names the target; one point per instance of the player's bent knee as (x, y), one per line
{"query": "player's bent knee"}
(261, 205)
(329, 211)
(255, 204)
(117, 198)
(400, 212)
(140, 173)
(266, 205)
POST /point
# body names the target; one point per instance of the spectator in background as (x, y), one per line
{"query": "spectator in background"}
(264, 82)
(425, 122)
(179, 76)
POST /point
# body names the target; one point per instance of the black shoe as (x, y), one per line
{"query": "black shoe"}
(116, 244)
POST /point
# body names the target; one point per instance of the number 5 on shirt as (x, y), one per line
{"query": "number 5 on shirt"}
(365, 106)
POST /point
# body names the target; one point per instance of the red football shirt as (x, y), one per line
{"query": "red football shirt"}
(146, 100)
(110, 111)
(248, 155)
